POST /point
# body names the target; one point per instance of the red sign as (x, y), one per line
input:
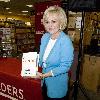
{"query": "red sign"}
(39, 9)
(13, 86)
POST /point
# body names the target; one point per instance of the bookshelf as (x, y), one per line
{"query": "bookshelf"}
(18, 39)
(24, 39)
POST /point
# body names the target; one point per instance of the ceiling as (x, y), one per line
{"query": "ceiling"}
(16, 6)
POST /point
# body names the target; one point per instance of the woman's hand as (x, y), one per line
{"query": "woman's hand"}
(49, 74)
(38, 76)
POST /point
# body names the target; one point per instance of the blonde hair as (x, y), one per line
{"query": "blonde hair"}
(61, 15)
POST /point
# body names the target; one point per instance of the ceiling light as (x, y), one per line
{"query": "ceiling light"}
(9, 12)
(19, 14)
(5, 0)
(7, 8)
(24, 14)
(24, 11)
(29, 5)
(9, 18)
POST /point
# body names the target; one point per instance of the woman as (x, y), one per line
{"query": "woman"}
(56, 54)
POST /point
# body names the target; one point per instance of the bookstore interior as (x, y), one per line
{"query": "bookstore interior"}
(21, 30)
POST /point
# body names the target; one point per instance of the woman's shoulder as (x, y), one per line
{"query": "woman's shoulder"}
(45, 35)
(66, 40)
(65, 36)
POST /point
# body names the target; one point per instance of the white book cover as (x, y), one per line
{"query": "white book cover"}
(29, 64)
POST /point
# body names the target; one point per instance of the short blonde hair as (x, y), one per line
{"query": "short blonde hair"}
(61, 15)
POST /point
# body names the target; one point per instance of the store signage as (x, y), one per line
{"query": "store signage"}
(11, 92)
(78, 22)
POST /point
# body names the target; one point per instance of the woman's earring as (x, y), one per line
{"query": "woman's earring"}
(60, 27)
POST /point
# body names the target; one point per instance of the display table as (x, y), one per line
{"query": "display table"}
(13, 86)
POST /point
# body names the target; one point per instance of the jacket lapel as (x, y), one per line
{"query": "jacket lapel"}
(54, 46)
(44, 47)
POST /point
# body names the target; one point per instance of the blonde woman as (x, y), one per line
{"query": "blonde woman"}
(56, 54)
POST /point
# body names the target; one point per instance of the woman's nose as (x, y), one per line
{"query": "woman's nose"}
(50, 24)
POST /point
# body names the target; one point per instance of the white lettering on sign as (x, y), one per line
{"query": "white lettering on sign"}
(11, 91)
(15, 92)
(3, 87)
(8, 96)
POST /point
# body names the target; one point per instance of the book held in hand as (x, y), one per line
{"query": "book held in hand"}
(29, 64)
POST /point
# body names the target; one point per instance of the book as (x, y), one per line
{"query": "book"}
(29, 64)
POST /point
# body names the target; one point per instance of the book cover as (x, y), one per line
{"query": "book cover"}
(29, 64)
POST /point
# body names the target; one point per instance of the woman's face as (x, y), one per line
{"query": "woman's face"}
(52, 23)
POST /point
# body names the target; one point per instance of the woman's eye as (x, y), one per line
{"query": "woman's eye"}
(54, 21)
(46, 22)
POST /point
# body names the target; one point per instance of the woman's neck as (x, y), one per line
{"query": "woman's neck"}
(55, 35)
